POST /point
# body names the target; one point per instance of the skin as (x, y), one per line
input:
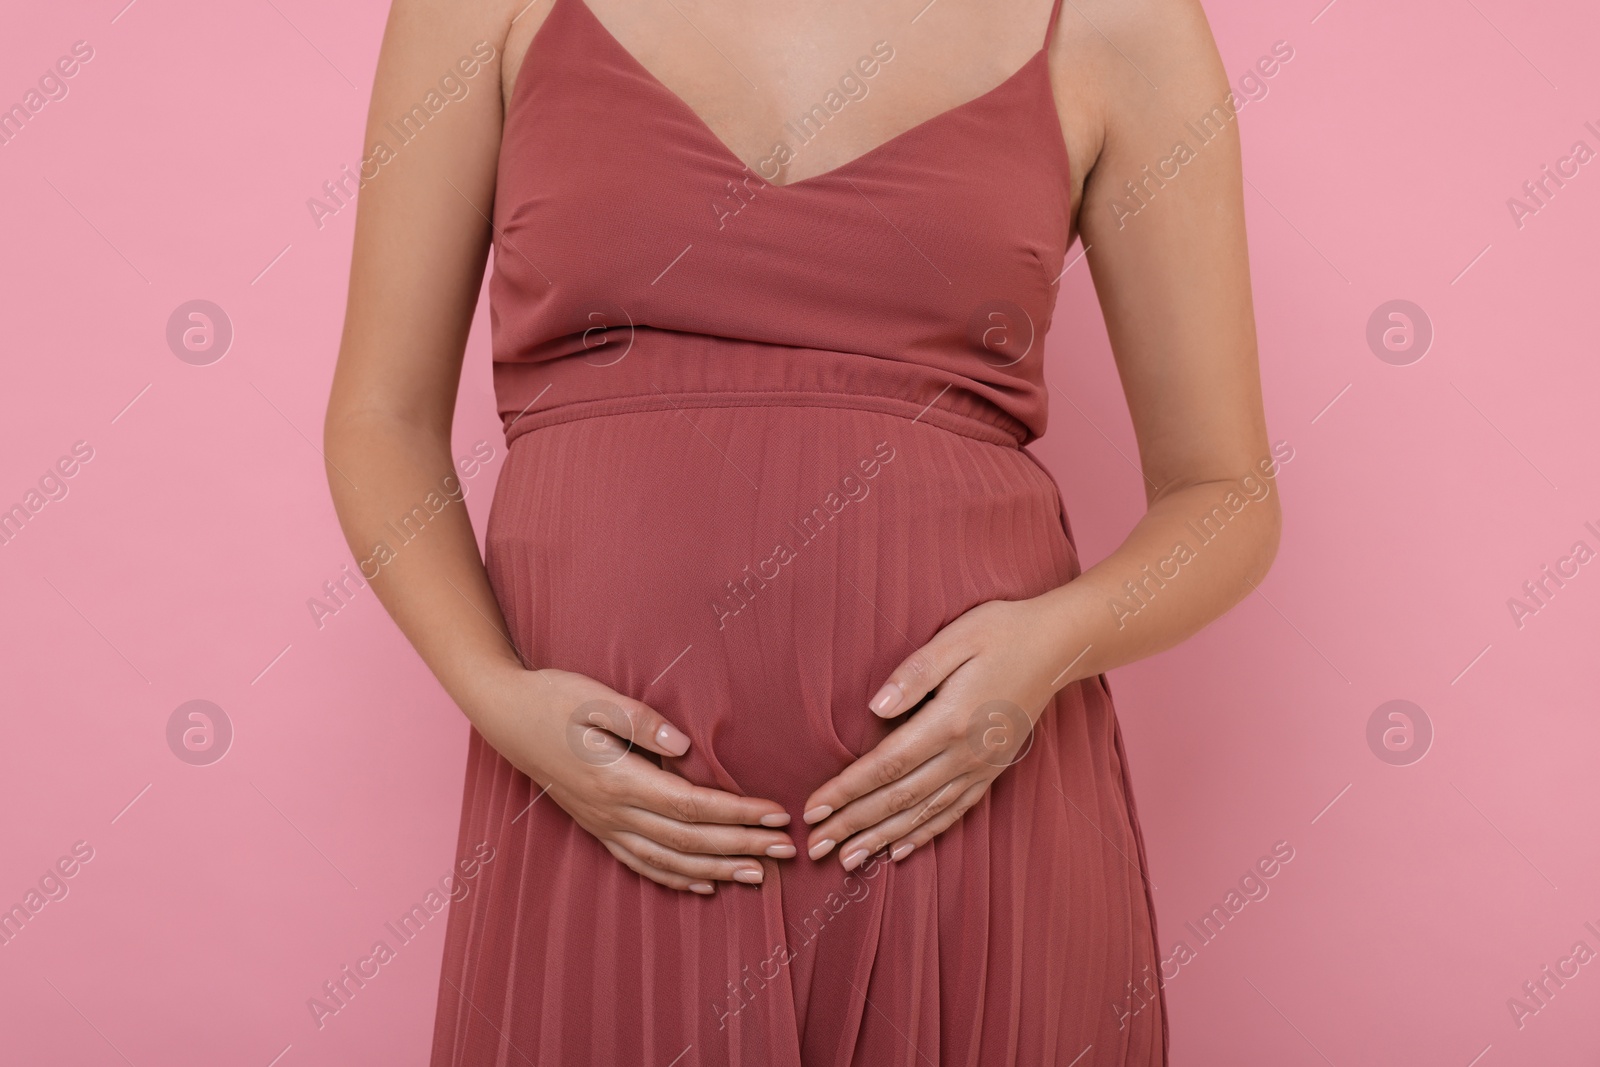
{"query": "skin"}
(1173, 284)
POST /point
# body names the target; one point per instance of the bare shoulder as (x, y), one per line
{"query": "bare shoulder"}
(522, 21)
(1126, 70)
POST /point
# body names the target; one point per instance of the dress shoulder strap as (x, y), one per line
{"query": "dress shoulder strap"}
(1049, 30)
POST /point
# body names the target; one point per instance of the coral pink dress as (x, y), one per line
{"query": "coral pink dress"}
(765, 441)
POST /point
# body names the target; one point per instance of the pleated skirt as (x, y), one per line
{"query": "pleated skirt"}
(753, 571)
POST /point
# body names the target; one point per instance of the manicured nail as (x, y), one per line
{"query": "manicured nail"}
(821, 848)
(818, 813)
(775, 820)
(781, 852)
(853, 860)
(901, 851)
(887, 700)
(701, 887)
(746, 875)
(674, 740)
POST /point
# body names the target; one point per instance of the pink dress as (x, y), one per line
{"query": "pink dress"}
(764, 442)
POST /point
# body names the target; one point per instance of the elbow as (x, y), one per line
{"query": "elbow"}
(1269, 534)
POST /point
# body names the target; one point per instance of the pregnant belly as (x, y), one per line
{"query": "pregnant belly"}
(754, 573)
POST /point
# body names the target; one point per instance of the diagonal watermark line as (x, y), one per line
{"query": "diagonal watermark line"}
(1323, 12)
(274, 663)
(528, 405)
(1071, 665)
(492, 1026)
(307, 840)
(131, 803)
(1330, 804)
(926, 407)
(1474, 262)
(92, 1026)
(1082, 252)
(1503, 437)
(303, 437)
(899, 231)
(903, 1036)
(96, 229)
(95, 628)
(1107, 436)
(1286, 1019)
(725, 58)
(499, 233)
(1330, 404)
(1503, 837)
(674, 263)
(1299, 631)
(1514, 48)
(274, 263)
(726, 458)
(1469, 666)
(1113, 44)
(314, 48)
(1296, 229)
(130, 404)
(671, 665)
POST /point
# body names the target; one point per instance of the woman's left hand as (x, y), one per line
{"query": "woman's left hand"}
(995, 669)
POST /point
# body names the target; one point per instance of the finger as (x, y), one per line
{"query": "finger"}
(911, 745)
(710, 838)
(635, 723)
(666, 878)
(695, 867)
(919, 672)
(882, 803)
(901, 847)
(667, 794)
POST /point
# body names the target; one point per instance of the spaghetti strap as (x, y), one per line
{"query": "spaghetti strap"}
(1049, 31)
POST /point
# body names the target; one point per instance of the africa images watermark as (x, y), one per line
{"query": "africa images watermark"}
(804, 129)
(339, 591)
(741, 591)
(1541, 190)
(1206, 529)
(337, 993)
(1252, 887)
(743, 992)
(453, 86)
(1205, 129)
(51, 87)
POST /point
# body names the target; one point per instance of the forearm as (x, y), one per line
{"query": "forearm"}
(400, 504)
(1196, 552)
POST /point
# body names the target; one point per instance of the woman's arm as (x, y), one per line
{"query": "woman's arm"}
(421, 237)
(1172, 273)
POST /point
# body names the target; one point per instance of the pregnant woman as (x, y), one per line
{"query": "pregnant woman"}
(790, 730)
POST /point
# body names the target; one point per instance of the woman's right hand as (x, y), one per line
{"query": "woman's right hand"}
(579, 741)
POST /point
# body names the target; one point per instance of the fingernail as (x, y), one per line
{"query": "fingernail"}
(901, 851)
(746, 875)
(818, 813)
(781, 852)
(701, 887)
(674, 740)
(775, 820)
(821, 848)
(887, 700)
(853, 860)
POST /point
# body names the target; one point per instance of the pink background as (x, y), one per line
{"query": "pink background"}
(220, 898)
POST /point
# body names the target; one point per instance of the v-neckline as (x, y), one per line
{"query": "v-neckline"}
(721, 146)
